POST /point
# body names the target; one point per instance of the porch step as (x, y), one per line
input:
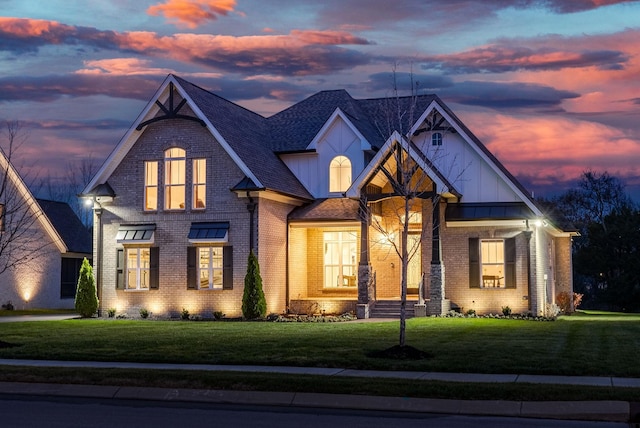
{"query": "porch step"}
(391, 309)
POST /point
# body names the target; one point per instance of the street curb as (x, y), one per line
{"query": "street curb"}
(612, 411)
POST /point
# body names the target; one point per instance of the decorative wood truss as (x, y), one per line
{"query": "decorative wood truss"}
(170, 113)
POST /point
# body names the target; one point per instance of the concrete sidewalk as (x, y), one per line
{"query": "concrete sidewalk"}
(617, 411)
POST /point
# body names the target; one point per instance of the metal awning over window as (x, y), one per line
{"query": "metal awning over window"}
(136, 234)
(213, 232)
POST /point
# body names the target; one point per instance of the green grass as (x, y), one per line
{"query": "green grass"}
(318, 384)
(598, 344)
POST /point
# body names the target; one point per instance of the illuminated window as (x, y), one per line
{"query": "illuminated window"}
(339, 174)
(210, 268)
(138, 268)
(492, 263)
(199, 183)
(151, 186)
(340, 259)
(174, 179)
(436, 139)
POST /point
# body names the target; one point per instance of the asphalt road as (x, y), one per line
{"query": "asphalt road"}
(63, 412)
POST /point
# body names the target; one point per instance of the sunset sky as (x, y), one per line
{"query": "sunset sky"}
(552, 87)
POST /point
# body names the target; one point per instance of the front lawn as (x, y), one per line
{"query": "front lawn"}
(586, 344)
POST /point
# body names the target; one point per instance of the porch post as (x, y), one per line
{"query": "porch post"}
(437, 304)
(365, 282)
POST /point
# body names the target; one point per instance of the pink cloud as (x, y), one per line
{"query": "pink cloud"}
(555, 148)
(192, 13)
(297, 53)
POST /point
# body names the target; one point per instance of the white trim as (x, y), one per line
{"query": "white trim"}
(354, 190)
(364, 144)
(271, 196)
(31, 203)
(324, 224)
(484, 223)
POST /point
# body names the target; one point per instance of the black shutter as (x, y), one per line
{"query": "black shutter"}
(510, 263)
(474, 263)
(120, 269)
(227, 268)
(192, 271)
(154, 268)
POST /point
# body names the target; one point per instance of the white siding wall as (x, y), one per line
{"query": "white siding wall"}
(312, 169)
(467, 171)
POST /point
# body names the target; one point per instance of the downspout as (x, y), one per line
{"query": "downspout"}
(251, 207)
(286, 271)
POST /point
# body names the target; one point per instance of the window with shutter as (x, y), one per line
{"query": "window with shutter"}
(492, 263)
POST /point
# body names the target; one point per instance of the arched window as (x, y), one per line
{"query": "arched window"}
(436, 139)
(339, 174)
(174, 178)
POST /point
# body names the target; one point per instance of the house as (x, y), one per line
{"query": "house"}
(42, 244)
(198, 182)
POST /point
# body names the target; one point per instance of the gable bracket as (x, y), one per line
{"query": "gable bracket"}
(433, 126)
(171, 112)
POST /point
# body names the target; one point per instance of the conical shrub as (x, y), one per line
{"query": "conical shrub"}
(86, 293)
(254, 305)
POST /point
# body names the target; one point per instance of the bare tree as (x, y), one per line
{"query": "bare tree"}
(21, 240)
(66, 189)
(407, 168)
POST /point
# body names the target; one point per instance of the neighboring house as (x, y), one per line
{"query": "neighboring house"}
(198, 181)
(42, 244)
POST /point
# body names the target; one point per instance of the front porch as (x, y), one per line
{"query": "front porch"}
(349, 264)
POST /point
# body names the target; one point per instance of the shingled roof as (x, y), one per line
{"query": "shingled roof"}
(294, 128)
(249, 136)
(75, 235)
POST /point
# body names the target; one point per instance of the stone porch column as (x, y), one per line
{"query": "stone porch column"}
(366, 292)
(437, 304)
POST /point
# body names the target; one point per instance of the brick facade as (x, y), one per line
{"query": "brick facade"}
(172, 227)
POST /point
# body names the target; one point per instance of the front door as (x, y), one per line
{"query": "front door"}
(414, 267)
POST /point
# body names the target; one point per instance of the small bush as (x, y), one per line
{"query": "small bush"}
(144, 313)
(8, 306)
(506, 311)
(218, 315)
(577, 300)
(471, 312)
(564, 302)
(111, 312)
(184, 315)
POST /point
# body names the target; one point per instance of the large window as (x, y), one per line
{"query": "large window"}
(210, 267)
(199, 183)
(174, 179)
(151, 186)
(339, 174)
(492, 262)
(340, 258)
(138, 268)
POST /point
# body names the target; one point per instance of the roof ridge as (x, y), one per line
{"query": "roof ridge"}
(181, 79)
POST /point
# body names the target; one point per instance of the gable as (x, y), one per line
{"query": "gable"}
(338, 137)
(383, 160)
(475, 171)
(241, 133)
